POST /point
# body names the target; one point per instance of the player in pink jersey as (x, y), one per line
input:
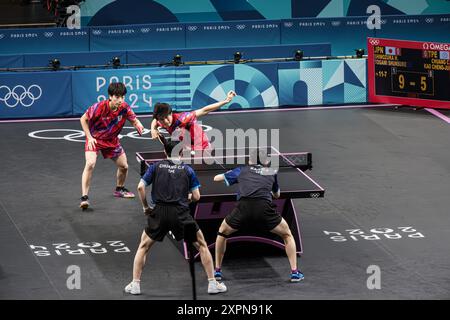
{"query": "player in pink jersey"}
(163, 117)
(102, 123)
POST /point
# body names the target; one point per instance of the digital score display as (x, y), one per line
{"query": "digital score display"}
(409, 72)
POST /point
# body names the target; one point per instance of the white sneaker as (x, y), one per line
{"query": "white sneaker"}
(216, 287)
(134, 287)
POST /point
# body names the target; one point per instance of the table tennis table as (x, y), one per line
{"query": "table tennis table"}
(217, 199)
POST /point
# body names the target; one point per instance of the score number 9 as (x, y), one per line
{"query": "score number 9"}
(423, 82)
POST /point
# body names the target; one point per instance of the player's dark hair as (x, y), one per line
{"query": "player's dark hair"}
(117, 89)
(161, 110)
(169, 145)
(259, 156)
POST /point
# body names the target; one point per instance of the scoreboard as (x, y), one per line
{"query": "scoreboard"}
(409, 72)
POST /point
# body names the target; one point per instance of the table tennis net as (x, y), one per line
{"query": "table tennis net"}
(226, 162)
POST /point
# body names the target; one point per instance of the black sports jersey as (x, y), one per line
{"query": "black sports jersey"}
(171, 182)
(255, 181)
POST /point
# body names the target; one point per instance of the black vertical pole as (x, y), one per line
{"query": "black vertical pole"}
(192, 269)
(190, 236)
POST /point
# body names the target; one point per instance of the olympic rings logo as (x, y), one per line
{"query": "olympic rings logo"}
(74, 135)
(374, 42)
(48, 34)
(192, 28)
(288, 24)
(314, 195)
(77, 135)
(96, 32)
(145, 30)
(240, 26)
(19, 94)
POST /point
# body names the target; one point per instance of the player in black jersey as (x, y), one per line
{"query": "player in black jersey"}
(173, 182)
(257, 184)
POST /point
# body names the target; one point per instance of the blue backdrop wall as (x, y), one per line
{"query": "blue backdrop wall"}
(104, 12)
(344, 34)
(258, 85)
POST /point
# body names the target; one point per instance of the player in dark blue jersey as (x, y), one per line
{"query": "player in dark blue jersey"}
(257, 184)
(175, 184)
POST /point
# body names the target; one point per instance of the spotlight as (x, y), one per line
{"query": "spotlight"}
(298, 55)
(55, 64)
(116, 62)
(359, 53)
(177, 60)
(237, 57)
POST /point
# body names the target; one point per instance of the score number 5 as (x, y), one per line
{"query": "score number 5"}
(423, 82)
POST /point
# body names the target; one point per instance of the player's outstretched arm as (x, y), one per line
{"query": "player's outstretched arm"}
(138, 126)
(219, 177)
(154, 129)
(209, 108)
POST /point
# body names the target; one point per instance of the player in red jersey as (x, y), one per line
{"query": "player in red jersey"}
(163, 117)
(102, 123)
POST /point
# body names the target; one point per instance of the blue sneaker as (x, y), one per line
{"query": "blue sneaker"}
(218, 274)
(297, 276)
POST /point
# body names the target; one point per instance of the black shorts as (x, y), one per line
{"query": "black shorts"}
(254, 212)
(165, 218)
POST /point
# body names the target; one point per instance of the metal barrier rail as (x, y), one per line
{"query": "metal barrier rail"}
(175, 63)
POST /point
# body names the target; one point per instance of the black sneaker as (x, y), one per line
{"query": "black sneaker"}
(84, 202)
(123, 193)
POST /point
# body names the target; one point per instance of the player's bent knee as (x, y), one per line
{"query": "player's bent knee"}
(145, 244)
(287, 235)
(282, 229)
(201, 241)
(202, 245)
(225, 228)
(90, 165)
(221, 234)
